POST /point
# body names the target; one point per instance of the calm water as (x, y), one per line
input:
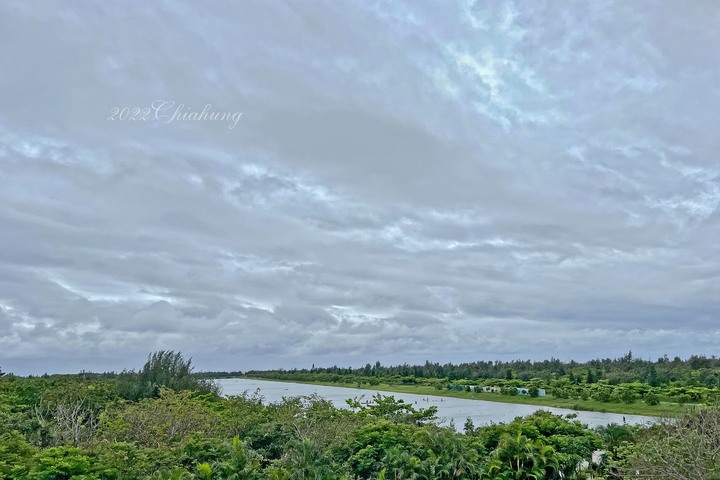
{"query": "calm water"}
(449, 409)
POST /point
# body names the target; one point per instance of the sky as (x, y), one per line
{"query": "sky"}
(269, 184)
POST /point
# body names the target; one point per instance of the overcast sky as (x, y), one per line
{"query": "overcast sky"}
(393, 181)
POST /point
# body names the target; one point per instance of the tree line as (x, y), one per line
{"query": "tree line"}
(697, 370)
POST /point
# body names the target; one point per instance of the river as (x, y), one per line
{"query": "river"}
(455, 410)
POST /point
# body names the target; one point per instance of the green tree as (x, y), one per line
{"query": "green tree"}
(238, 462)
(677, 449)
(520, 458)
(614, 436)
(61, 463)
(652, 398)
(304, 460)
(15, 455)
(171, 474)
(369, 444)
(389, 408)
(469, 427)
(401, 464)
(445, 455)
(160, 422)
(602, 392)
(164, 368)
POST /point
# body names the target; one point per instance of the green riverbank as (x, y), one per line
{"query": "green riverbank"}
(638, 408)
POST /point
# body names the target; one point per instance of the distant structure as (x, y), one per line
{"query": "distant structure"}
(520, 391)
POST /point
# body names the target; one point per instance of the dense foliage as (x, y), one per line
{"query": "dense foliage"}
(172, 425)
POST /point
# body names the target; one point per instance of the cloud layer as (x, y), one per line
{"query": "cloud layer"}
(406, 182)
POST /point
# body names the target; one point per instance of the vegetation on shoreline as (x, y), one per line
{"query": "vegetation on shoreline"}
(660, 410)
(623, 385)
(165, 422)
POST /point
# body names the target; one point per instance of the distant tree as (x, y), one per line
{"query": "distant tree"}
(603, 393)
(508, 390)
(652, 399)
(164, 368)
(626, 395)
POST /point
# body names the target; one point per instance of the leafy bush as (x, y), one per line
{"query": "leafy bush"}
(652, 399)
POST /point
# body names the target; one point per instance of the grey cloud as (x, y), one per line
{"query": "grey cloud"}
(405, 183)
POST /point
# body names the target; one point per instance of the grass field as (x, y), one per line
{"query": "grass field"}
(637, 408)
